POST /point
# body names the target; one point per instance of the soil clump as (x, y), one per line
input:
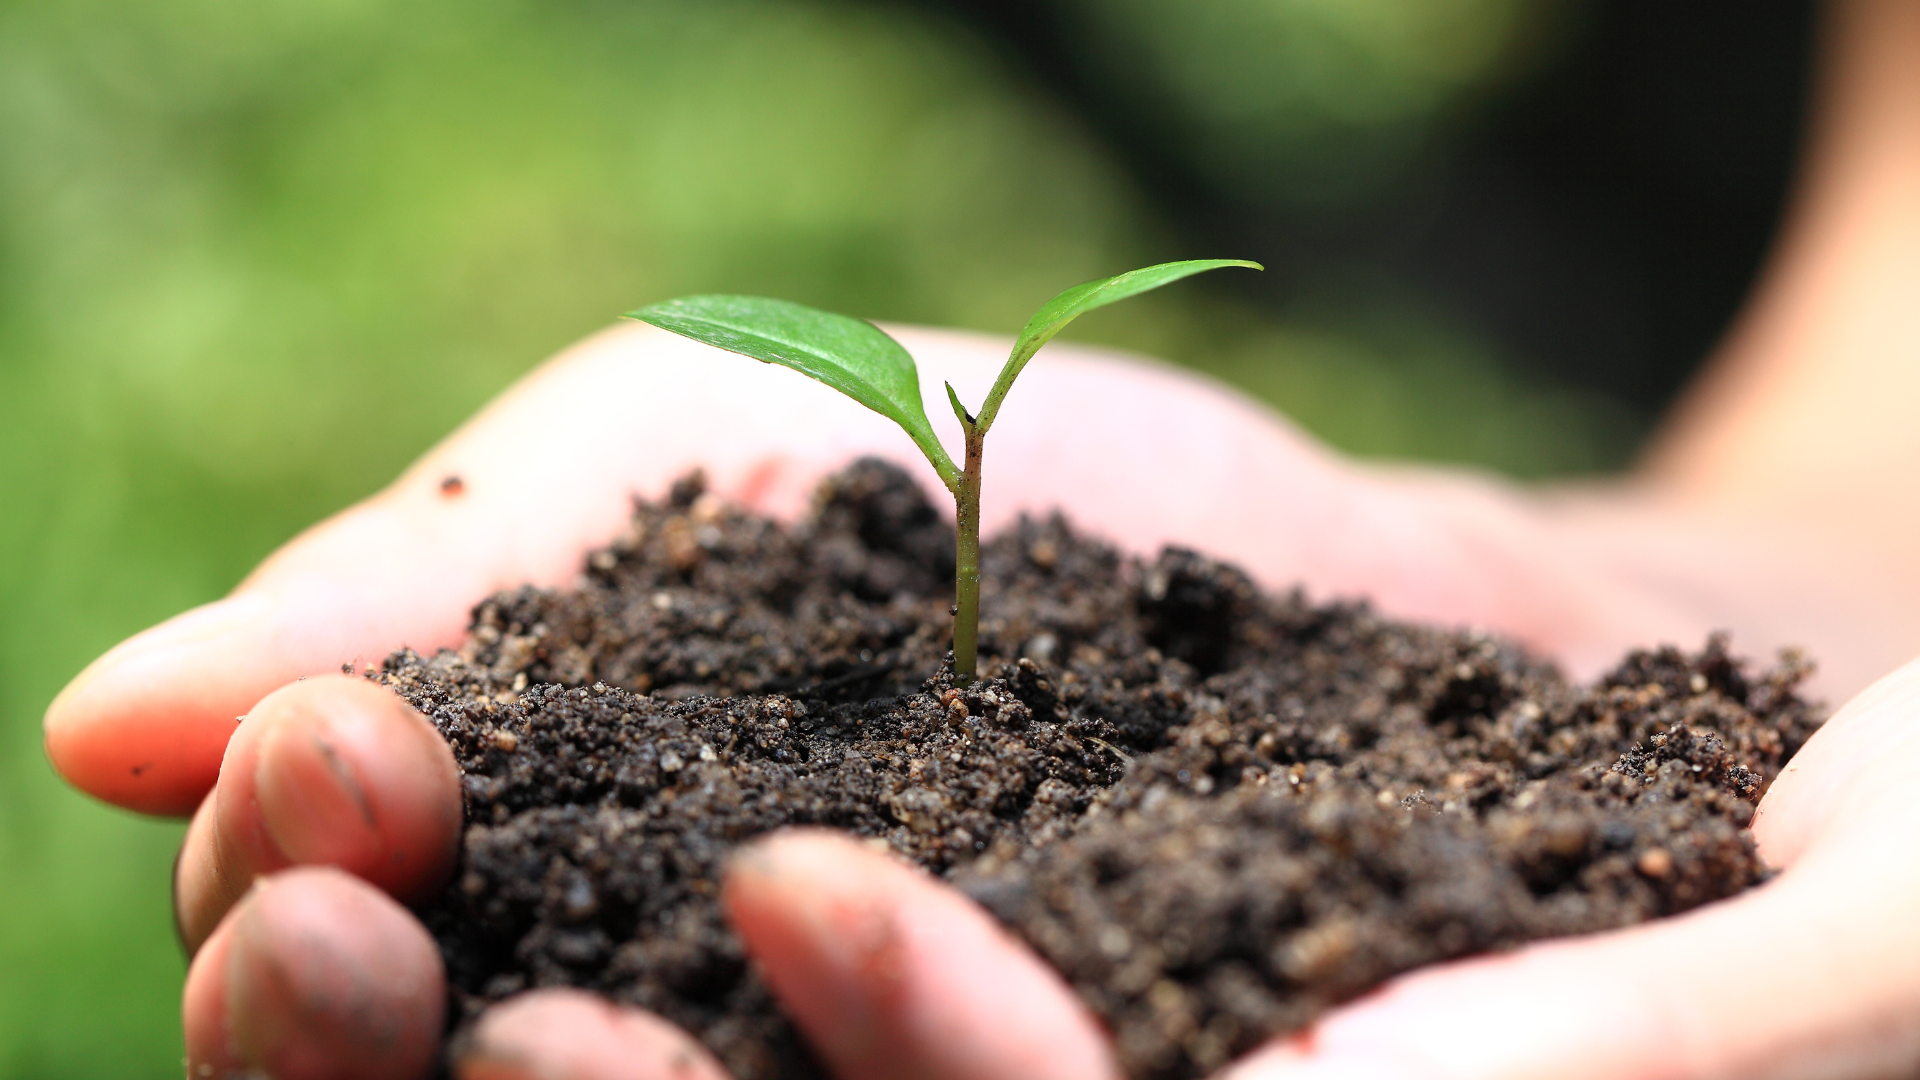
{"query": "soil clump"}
(1216, 812)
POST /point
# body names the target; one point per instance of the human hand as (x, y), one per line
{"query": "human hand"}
(330, 771)
(936, 990)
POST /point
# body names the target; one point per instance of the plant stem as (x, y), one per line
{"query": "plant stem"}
(966, 570)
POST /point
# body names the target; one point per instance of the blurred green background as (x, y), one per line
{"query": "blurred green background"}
(255, 255)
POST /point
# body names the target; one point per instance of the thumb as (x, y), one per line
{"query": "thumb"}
(145, 725)
(1815, 974)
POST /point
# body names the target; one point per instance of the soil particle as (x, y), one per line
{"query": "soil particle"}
(1217, 813)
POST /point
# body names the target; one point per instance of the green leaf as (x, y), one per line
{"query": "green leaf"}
(851, 355)
(1077, 301)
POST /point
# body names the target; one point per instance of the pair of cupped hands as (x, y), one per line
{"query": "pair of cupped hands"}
(333, 805)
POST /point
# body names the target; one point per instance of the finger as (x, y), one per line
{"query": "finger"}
(317, 975)
(332, 771)
(1816, 974)
(573, 1035)
(891, 974)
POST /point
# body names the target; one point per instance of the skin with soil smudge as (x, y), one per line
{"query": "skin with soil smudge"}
(1343, 797)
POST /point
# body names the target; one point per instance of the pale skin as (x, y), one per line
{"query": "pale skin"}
(1781, 503)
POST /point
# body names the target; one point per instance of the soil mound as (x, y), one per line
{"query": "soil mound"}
(1216, 812)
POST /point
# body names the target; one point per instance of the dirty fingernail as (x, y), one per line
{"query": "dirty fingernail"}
(313, 807)
(328, 978)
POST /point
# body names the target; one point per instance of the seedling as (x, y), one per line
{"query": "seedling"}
(861, 361)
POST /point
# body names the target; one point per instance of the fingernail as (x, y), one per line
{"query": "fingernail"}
(312, 805)
(327, 978)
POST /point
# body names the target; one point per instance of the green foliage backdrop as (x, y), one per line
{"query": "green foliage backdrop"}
(257, 254)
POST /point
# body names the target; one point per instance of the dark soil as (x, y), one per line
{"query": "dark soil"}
(1217, 812)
